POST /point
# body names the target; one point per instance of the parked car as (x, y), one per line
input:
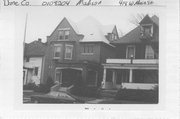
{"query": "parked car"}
(56, 97)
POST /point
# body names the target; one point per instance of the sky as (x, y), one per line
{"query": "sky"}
(41, 21)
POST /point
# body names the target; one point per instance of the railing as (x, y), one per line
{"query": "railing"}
(141, 86)
(134, 61)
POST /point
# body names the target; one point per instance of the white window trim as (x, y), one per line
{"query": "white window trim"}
(127, 51)
(56, 45)
(66, 51)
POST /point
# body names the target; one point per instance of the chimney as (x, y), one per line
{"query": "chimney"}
(39, 39)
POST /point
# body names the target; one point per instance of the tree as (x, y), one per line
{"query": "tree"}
(136, 19)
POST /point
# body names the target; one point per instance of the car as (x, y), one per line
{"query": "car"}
(56, 97)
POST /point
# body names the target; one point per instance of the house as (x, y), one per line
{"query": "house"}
(34, 60)
(136, 62)
(76, 51)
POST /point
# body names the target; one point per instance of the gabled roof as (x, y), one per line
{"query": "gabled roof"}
(35, 48)
(92, 30)
(134, 35)
(146, 20)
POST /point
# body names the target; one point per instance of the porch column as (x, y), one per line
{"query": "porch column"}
(114, 77)
(104, 78)
(130, 76)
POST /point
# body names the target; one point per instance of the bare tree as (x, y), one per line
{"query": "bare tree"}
(136, 19)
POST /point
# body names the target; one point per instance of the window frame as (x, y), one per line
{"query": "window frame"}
(57, 45)
(64, 33)
(147, 52)
(88, 48)
(146, 25)
(68, 45)
(127, 50)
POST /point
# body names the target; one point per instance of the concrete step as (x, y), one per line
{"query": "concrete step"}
(108, 93)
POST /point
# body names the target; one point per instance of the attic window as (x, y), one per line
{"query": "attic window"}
(147, 30)
(64, 34)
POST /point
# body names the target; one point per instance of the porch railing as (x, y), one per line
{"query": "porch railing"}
(142, 86)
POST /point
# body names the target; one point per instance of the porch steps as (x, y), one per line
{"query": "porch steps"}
(110, 93)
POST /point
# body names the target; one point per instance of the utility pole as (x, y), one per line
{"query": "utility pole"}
(25, 34)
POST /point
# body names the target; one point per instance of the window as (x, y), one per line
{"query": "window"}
(88, 49)
(64, 34)
(36, 71)
(149, 52)
(68, 51)
(147, 30)
(61, 34)
(57, 51)
(130, 52)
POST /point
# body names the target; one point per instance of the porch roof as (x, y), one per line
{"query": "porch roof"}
(130, 66)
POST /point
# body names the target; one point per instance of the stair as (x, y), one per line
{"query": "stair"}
(108, 93)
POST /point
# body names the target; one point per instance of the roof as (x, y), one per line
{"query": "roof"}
(35, 48)
(134, 35)
(155, 19)
(92, 30)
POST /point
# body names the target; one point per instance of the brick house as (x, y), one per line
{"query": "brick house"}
(76, 52)
(34, 61)
(136, 62)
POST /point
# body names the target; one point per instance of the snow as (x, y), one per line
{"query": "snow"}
(92, 30)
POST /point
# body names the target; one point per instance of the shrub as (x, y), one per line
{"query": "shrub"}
(29, 86)
(42, 88)
(45, 88)
(150, 96)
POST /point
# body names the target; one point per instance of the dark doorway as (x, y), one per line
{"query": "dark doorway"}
(70, 77)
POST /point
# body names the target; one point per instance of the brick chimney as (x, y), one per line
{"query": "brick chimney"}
(39, 39)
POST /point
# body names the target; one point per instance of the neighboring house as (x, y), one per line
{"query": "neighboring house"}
(33, 67)
(136, 62)
(76, 52)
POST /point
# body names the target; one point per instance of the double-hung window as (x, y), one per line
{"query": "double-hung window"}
(57, 51)
(61, 35)
(64, 34)
(130, 52)
(87, 49)
(68, 51)
(149, 52)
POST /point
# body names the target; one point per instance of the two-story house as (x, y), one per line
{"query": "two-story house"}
(76, 52)
(34, 61)
(136, 62)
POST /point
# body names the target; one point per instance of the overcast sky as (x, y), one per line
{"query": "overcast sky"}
(43, 20)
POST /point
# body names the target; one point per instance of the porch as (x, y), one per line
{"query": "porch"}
(130, 74)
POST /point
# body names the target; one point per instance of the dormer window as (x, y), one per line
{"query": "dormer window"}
(147, 30)
(112, 36)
